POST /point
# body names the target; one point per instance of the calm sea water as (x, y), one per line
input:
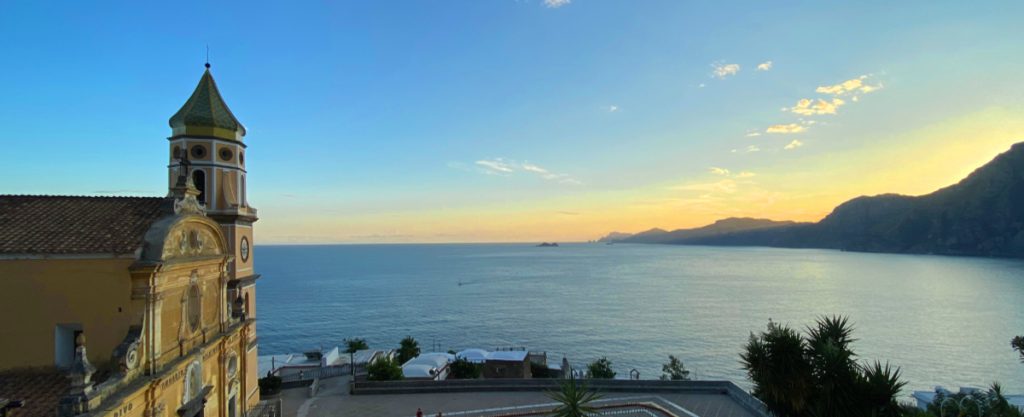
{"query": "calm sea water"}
(943, 320)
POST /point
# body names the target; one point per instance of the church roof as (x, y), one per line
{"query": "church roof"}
(39, 388)
(39, 224)
(206, 114)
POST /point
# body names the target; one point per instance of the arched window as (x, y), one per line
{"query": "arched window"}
(199, 179)
(246, 310)
(193, 382)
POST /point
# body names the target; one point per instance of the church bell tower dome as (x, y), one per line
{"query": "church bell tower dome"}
(206, 114)
(206, 148)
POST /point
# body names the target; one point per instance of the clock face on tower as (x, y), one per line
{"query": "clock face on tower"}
(244, 249)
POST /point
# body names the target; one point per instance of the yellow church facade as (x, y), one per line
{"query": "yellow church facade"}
(136, 306)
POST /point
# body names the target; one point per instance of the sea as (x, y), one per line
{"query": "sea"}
(942, 320)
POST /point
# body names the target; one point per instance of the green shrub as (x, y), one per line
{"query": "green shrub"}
(601, 369)
(818, 375)
(992, 404)
(674, 370)
(464, 369)
(270, 385)
(384, 369)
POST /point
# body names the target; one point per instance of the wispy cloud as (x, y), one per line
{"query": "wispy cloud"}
(719, 171)
(506, 167)
(722, 70)
(495, 165)
(753, 133)
(726, 173)
(554, 4)
(785, 128)
(854, 85)
(612, 108)
(809, 107)
(850, 89)
(753, 148)
(793, 145)
(764, 66)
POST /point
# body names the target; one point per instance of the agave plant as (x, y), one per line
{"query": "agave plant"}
(574, 399)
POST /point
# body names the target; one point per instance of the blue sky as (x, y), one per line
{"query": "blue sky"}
(516, 120)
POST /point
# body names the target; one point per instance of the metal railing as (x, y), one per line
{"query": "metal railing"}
(727, 388)
(317, 373)
(267, 408)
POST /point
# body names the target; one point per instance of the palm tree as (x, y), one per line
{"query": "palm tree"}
(409, 348)
(880, 386)
(574, 399)
(356, 344)
(1018, 344)
(818, 375)
(782, 376)
(834, 367)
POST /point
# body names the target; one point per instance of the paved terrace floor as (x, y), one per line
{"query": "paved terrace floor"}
(334, 400)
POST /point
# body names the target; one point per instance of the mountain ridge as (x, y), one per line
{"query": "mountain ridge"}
(981, 215)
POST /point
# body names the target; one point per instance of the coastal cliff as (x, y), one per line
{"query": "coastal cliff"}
(982, 215)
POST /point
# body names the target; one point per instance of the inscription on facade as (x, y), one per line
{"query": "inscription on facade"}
(124, 409)
(172, 378)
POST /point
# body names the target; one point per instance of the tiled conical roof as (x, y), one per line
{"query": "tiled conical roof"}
(206, 114)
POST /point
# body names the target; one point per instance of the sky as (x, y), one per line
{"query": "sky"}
(517, 120)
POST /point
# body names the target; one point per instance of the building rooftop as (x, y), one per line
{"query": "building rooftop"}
(507, 355)
(334, 399)
(473, 355)
(39, 389)
(45, 224)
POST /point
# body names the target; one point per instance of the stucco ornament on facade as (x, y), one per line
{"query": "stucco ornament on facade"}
(190, 240)
(127, 354)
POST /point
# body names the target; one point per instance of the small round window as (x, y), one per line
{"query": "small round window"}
(241, 157)
(176, 153)
(225, 154)
(199, 151)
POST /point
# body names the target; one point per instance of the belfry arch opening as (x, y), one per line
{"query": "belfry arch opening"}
(199, 179)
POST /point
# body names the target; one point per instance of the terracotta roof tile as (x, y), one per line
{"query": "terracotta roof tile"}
(32, 224)
(40, 389)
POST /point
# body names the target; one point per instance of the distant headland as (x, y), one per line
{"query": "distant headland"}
(982, 215)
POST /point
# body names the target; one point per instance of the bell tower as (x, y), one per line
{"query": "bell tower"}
(206, 144)
(211, 138)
